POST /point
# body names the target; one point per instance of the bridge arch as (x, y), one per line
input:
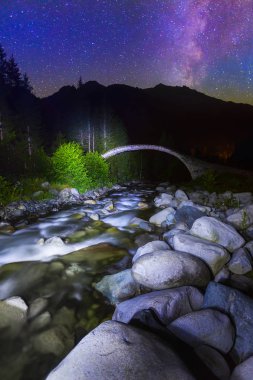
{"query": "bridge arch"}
(187, 161)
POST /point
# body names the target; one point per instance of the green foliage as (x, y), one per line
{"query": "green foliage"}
(5, 189)
(220, 182)
(208, 180)
(97, 169)
(42, 163)
(69, 167)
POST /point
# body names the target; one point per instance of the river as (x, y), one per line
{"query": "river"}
(56, 280)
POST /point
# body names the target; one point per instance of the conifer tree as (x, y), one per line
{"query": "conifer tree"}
(80, 82)
(3, 66)
(25, 83)
(13, 73)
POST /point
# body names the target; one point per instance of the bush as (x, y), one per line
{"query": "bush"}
(97, 169)
(4, 191)
(68, 166)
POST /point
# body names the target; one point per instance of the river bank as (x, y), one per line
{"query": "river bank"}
(164, 262)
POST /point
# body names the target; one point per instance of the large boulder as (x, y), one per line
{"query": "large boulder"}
(118, 287)
(170, 269)
(243, 371)
(153, 246)
(167, 304)
(214, 255)
(216, 231)
(240, 308)
(115, 351)
(205, 327)
(161, 216)
(188, 215)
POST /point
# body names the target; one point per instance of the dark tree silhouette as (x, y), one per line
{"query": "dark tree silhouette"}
(13, 73)
(3, 66)
(80, 83)
(25, 83)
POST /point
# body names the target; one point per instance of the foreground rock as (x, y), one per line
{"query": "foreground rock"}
(115, 351)
(214, 361)
(153, 246)
(243, 218)
(188, 215)
(170, 269)
(162, 216)
(213, 254)
(240, 308)
(167, 304)
(216, 231)
(205, 327)
(241, 262)
(13, 314)
(243, 371)
(118, 287)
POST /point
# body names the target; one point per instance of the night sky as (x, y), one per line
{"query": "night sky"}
(203, 44)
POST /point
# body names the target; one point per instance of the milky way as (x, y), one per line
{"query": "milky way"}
(203, 44)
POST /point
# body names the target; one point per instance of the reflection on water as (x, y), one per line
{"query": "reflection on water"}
(55, 281)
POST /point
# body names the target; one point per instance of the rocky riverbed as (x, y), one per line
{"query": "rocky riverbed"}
(138, 283)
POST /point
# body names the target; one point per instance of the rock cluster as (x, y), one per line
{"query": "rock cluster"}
(189, 292)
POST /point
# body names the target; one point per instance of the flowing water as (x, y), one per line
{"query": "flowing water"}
(57, 280)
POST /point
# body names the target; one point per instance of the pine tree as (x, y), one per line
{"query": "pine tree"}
(80, 83)
(3, 66)
(25, 83)
(13, 73)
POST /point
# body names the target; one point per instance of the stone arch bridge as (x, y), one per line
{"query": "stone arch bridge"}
(195, 166)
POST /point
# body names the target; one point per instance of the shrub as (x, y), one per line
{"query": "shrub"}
(4, 190)
(97, 169)
(68, 166)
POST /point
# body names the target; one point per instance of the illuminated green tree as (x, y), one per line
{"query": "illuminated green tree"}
(69, 166)
(97, 169)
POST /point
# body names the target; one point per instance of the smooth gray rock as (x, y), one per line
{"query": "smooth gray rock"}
(249, 232)
(55, 241)
(240, 308)
(69, 195)
(243, 198)
(167, 304)
(37, 306)
(181, 195)
(223, 275)
(241, 262)
(153, 246)
(56, 341)
(169, 235)
(161, 216)
(214, 361)
(214, 255)
(41, 321)
(163, 200)
(209, 327)
(188, 215)
(249, 247)
(118, 287)
(242, 219)
(115, 351)
(170, 269)
(216, 231)
(13, 313)
(243, 371)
